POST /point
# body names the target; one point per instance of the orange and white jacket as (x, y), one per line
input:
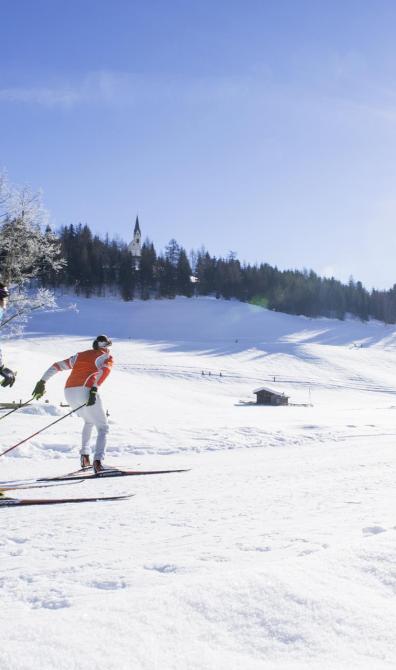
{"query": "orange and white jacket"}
(88, 368)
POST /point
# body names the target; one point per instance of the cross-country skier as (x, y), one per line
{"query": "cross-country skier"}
(6, 373)
(89, 369)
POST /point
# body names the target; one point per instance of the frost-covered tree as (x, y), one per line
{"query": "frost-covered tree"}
(26, 250)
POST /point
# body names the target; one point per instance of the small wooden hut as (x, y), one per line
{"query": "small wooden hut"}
(266, 396)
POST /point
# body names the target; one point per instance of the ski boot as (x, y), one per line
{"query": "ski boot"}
(85, 461)
(98, 467)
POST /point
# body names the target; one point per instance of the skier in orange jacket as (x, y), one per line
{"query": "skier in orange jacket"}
(89, 369)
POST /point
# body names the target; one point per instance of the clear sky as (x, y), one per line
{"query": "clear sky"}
(266, 127)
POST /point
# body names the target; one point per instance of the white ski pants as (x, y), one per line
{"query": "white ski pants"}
(92, 416)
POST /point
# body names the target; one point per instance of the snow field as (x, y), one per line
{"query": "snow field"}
(275, 551)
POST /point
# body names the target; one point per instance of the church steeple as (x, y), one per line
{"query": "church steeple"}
(135, 247)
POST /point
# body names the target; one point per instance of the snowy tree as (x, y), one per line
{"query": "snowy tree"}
(24, 248)
(25, 251)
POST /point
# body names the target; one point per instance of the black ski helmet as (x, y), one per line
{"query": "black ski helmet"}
(101, 341)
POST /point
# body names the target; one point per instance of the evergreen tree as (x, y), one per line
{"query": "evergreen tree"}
(183, 275)
(147, 269)
(172, 252)
(127, 275)
(166, 274)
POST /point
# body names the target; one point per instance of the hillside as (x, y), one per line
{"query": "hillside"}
(275, 550)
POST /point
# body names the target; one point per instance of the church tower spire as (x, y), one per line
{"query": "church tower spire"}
(137, 227)
(135, 247)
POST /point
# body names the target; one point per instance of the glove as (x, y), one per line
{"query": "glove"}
(92, 396)
(39, 390)
(8, 375)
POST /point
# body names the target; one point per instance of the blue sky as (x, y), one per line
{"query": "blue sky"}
(266, 128)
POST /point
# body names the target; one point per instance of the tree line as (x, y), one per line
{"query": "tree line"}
(35, 260)
(96, 266)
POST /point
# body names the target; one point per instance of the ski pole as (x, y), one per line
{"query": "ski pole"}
(41, 430)
(16, 408)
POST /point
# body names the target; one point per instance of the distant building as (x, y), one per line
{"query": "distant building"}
(266, 396)
(135, 247)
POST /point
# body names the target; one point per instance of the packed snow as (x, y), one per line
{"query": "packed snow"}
(276, 550)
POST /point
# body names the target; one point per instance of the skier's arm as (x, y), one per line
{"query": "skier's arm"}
(67, 364)
(104, 364)
(59, 366)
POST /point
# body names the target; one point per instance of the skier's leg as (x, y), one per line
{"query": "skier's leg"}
(98, 417)
(85, 438)
(101, 441)
(75, 397)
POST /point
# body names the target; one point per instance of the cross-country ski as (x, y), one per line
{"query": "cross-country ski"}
(80, 476)
(29, 502)
(85, 474)
(35, 484)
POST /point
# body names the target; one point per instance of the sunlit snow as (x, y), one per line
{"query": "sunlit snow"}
(275, 551)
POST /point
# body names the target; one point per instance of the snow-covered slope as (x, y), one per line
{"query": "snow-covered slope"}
(275, 551)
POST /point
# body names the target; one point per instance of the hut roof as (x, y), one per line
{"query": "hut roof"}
(266, 388)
